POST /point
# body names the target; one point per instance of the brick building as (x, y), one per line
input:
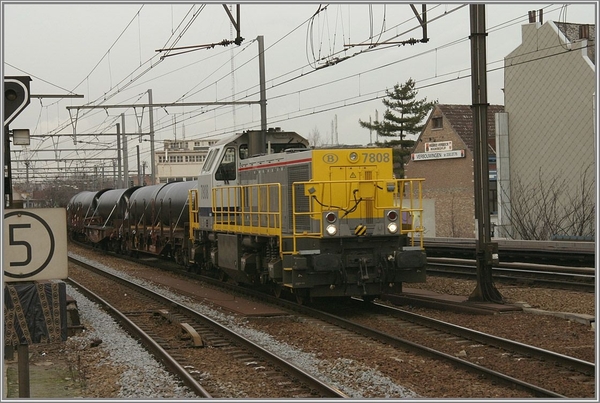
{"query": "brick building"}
(443, 155)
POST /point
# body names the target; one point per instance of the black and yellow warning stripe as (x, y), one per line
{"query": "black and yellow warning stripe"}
(360, 230)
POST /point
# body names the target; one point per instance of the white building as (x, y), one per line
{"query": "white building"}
(181, 160)
(546, 142)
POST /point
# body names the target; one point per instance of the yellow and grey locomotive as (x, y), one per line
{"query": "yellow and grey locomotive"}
(317, 222)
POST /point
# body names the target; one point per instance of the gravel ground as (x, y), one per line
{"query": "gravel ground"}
(127, 371)
(357, 380)
(542, 298)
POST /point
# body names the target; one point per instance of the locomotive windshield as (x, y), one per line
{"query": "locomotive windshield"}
(209, 160)
(227, 168)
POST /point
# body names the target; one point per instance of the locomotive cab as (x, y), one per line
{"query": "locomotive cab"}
(222, 164)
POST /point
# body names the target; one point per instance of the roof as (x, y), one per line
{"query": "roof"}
(461, 119)
(573, 32)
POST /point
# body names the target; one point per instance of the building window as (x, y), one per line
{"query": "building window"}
(437, 123)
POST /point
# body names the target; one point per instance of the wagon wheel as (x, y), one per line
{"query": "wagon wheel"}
(186, 259)
(302, 297)
(222, 276)
(178, 256)
(277, 290)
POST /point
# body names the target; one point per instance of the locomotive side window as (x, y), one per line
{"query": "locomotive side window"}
(244, 151)
(227, 168)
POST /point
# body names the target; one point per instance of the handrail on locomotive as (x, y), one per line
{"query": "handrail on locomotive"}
(247, 209)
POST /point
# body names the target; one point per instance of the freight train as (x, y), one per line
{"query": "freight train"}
(268, 210)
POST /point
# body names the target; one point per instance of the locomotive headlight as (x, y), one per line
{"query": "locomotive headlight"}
(392, 228)
(353, 156)
(331, 230)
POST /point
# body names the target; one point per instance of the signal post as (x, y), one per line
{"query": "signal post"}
(34, 257)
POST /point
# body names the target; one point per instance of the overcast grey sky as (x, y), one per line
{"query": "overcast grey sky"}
(108, 54)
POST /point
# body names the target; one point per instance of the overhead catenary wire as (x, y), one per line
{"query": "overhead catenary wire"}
(106, 97)
(299, 76)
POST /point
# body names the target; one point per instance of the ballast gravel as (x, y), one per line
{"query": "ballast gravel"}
(110, 364)
(143, 377)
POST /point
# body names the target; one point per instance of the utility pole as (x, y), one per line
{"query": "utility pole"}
(486, 251)
(152, 162)
(337, 140)
(263, 94)
(144, 172)
(377, 131)
(138, 166)
(125, 152)
(115, 175)
(119, 177)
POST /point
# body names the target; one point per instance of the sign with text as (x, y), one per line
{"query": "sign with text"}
(35, 244)
(438, 146)
(437, 155)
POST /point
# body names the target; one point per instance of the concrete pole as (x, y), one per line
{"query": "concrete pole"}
(263, 94)
(138, 166)
(125, 152)
(152, 162)
(119, 177)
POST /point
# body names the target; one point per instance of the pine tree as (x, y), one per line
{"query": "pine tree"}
(404, 116)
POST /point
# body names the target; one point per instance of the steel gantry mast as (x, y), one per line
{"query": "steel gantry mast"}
(486, 251)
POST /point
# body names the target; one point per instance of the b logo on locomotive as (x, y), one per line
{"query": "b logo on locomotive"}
(330, 158)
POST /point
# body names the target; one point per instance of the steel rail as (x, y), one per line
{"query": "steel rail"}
(308, 379)
(154, 348)
(379, 336)
(581, 278)
(387, 339)
(480, 337)
(403, 343)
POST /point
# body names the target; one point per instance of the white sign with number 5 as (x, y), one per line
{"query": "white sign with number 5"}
(35, 244)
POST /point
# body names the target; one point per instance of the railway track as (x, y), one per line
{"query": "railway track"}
(542, 372)
(185, 341)
(545, 275)
(547, 369)
(439, 334)
(566, 253)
